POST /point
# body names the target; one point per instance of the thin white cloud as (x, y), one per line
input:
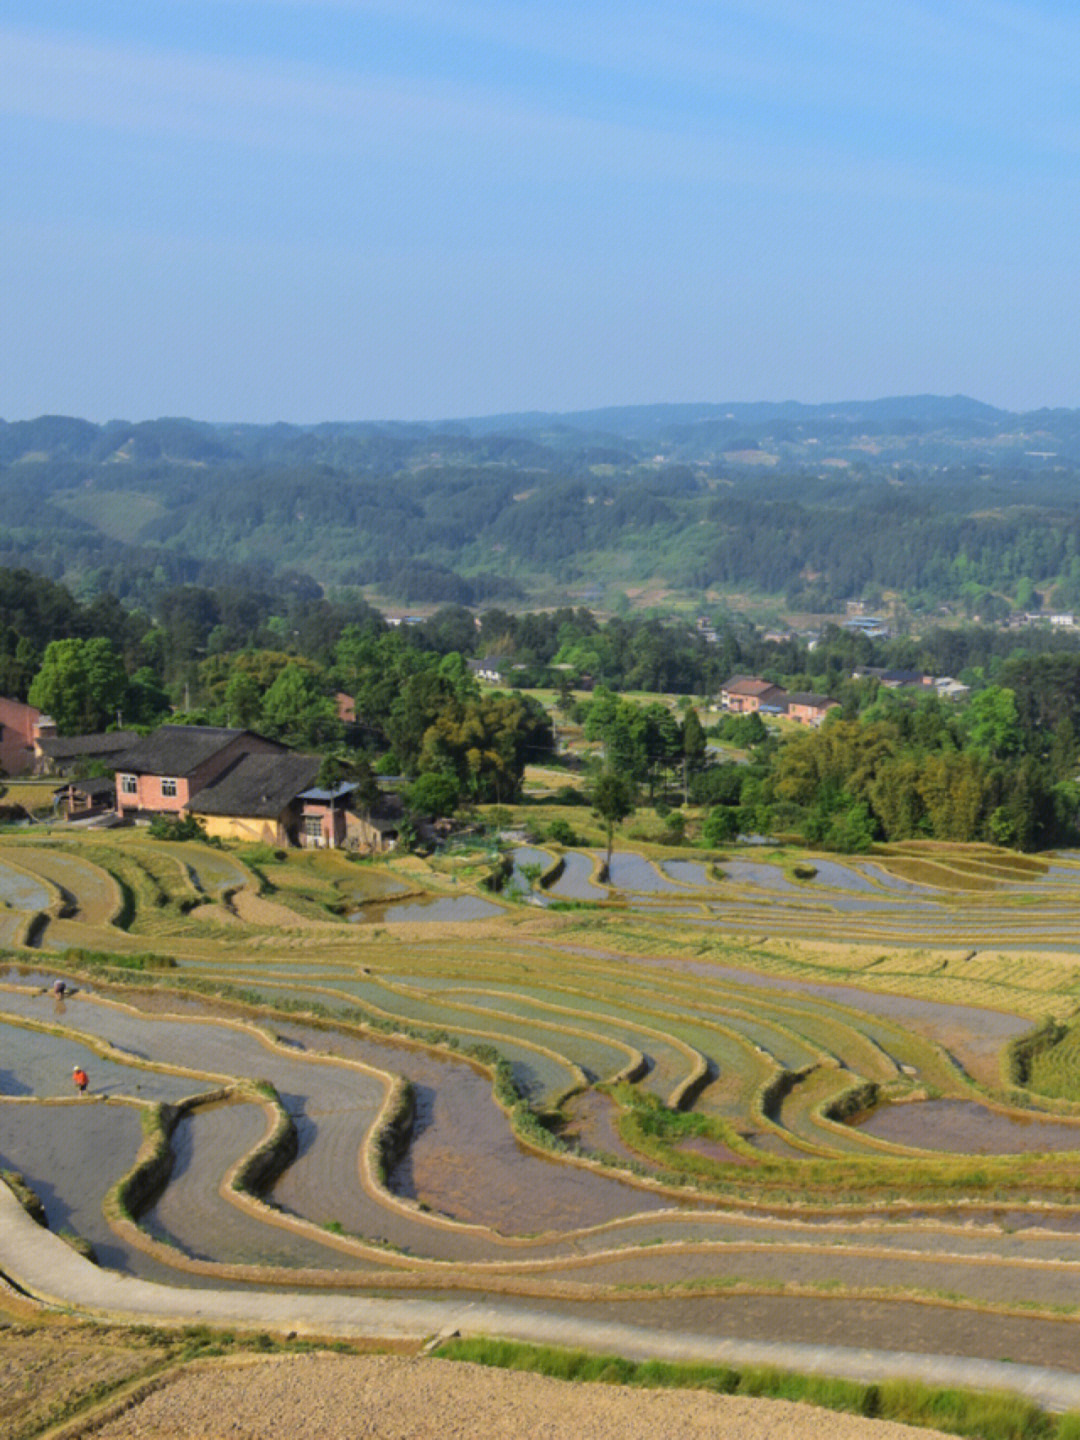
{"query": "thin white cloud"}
(290, 108)
(755, 41)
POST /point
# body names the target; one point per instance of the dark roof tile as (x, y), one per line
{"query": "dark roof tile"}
(176, 749)
(70, 747)
(260, 785)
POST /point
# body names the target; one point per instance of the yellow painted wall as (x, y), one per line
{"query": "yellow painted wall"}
(246, 828)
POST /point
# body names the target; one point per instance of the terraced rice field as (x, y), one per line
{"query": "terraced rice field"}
(708, 1078)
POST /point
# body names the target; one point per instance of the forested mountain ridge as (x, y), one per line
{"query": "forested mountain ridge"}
(934, 498)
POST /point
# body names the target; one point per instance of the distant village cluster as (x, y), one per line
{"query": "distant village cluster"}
(750, 694)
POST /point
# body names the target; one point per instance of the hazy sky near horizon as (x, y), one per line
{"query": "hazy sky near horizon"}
(416, 209)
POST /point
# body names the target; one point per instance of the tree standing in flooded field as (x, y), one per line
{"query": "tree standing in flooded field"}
(613, 799)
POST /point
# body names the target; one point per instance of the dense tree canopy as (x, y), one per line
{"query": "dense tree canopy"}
(81, 684)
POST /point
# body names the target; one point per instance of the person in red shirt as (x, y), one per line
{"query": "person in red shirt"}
(81, 1079)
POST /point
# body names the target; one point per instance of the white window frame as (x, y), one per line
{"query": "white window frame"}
(168, 788)
(129, 785)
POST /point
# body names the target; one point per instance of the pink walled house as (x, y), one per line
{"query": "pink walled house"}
(240, 785)
(324, 816)
(808, 708)
(160, 774)
(744, 694)
(20, 726)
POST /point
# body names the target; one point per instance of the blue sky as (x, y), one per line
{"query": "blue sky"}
(372, 209)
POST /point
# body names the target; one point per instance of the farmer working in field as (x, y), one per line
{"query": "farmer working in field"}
(81, 1079)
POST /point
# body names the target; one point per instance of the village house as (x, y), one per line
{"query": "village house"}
(491, 669)
(260, 797)
(872, 626)
(950, 689)
(64, 754)
(85, 799)
(892, 679)
(806, 708)
(745, 694)
(20, 727)
(377, 830)
(159, 774)
(241, 786)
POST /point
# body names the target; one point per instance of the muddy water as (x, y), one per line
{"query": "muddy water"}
(752, 872)
(575, 883)
(591, 1126)
(667, 1065)
(89, 889)
(633, 872)
(517, 883)
(33, 1063)
(27, 976)
(843, 877)
(71, 1155)
(689, 872)
(593, 1051)
(427, 911)
(831, 1266)
(464, 1161)
(192, 1214)
(539, 1077)
(22, 892)
(960, 1028)
(965, 1128)
(453, 1160)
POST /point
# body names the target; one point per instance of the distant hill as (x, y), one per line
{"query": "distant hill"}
(924, 494)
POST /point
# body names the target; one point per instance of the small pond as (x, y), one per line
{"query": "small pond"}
(517, 885)
(575, 883)
(426, 909)
(689, 872)
(754, 872)
(22, 892)
(964, 1127)
(843, 877)
(633, 872)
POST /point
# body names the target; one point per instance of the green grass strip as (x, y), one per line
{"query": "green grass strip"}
(988, 1416)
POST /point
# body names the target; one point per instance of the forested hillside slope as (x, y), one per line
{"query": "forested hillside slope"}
(935, 499)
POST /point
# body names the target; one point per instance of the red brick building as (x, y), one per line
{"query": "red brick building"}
(20, 726)
(743, 694)
(161, 772)
(808, 708)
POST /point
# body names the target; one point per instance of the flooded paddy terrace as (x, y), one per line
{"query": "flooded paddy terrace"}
(733, 1029)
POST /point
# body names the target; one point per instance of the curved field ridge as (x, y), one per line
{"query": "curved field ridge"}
(858, 1085)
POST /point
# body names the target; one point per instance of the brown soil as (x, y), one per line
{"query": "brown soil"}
(254, 910)
(44, 1368)
(320, 1397)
